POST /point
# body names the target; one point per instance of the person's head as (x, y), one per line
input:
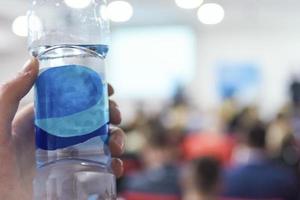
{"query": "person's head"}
(202, 179)
(244, 118)
(256, 135)
(157, 148)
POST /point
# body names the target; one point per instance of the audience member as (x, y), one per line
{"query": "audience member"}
(258, 177)
(278, 131)
(159, 179)
(202, 179)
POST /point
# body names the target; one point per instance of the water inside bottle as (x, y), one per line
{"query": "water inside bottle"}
(72, 124)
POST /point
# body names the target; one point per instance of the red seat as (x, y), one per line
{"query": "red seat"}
(208, 144)
(147, 196)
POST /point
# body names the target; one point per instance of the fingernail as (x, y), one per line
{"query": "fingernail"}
(27, 66)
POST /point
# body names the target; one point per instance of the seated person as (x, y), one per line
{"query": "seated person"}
(159, 178)
(258, 177)
(201, 179)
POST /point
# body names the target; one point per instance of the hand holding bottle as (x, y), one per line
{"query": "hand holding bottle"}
(17, 148)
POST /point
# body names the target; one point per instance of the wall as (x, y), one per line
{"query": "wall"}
(275, 48)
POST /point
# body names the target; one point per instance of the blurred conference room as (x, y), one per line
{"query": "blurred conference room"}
(209, 92)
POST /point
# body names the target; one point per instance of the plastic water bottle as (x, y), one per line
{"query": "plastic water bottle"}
(70, 40)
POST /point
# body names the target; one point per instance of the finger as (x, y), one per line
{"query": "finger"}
(114, 113)
(24, 137)
(117, 142)
(12, 92)
(117, 167)
(23, 123)
(110, 90)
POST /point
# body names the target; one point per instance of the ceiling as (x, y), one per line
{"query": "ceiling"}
(238, 13)
(160, 11)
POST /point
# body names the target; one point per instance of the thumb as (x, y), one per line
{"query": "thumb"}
(14, 90)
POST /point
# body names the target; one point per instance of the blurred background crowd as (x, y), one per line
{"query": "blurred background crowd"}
(209, 92)
(242, 157)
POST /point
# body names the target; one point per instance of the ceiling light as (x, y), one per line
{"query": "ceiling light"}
(188, 4)
(34, 23)
(119, 11)
(211, 13)
(104, 12)
(19, 26)
(78, 4)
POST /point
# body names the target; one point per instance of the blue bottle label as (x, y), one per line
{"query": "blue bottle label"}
(71, 107)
